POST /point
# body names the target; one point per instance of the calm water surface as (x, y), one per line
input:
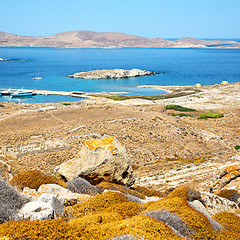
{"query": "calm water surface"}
(182, 67)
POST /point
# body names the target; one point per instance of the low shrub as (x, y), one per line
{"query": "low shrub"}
(230, 194)
(120, 188)
(82, 186)
(211, 114)
(179, 108)
(198, 224)
(186, 193)
(10, 201)
(182, 115)
(94, 205)
(139, 226)
(66, 104)
(149, 192)
(173, 221)
(34, 179)
(237, 147)
(127, 237)
(41, 230)
(2, 105)
(228, 220)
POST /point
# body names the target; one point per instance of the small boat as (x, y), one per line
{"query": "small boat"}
(37, 77)
(22, 93)
(8, 92)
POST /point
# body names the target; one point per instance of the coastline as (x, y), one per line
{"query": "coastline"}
(203, 97)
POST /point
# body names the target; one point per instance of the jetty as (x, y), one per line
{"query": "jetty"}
(77, 94)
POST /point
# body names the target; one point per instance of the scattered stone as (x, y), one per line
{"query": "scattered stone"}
(47, 207)
(63, 194)
(99, 160)
(216, 204)
(197, 205)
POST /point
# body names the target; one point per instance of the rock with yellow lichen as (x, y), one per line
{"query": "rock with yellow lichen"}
(226, 176)
(99, 160)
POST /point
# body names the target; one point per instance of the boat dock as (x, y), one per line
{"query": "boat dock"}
(78, 94)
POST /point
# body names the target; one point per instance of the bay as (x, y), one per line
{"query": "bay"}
(182, 67)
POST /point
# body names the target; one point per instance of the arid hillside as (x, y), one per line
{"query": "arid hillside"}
(88, 39)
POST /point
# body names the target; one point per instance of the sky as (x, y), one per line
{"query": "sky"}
(214, 19)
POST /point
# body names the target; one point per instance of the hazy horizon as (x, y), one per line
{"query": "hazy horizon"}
(215, 19)
(173, 38)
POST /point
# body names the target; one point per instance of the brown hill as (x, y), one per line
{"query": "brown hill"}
(88, 39)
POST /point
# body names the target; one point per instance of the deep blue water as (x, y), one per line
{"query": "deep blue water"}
(182, 67)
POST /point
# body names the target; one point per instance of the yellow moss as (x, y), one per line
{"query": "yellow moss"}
(96, 219)
(39, 230)
(149, 192)
(192, 218)
(137, 226)
(228, 220)
(93, 144)
(34, 179)
(96, 204)
(182, 192)
(120, 188)
(126, 209)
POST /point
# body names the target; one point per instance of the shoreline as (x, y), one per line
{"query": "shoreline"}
(214, 96)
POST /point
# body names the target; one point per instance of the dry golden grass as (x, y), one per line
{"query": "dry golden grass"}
(34, 179)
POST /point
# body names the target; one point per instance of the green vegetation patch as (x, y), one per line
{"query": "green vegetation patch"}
(182, 115)
(66, 104)
(237, 147)
(194, 160)
(210, 114)
(179, 108)
(151, 97)
(2, 105)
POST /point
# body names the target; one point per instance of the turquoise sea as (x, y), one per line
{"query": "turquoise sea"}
(182, 67)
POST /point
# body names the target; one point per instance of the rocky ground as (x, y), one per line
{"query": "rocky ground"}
(165, 151)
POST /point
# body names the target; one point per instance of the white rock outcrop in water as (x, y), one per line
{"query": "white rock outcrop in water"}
(115, 73)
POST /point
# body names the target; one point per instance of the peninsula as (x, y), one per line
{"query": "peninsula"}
(115, 73)
(88, 39)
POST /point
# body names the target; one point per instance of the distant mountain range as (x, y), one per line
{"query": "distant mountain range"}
(87, 39)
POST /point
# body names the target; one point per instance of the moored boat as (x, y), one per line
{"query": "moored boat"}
(8, 92)
(22, 93)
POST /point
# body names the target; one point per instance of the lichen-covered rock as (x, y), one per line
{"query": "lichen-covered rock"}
(99, 160)
(226, 176)
(216, 204)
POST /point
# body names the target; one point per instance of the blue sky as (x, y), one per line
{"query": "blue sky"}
(148, 18)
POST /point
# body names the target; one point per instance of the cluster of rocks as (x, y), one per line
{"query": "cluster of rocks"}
(10, 59)
(109, 74)
(99, 160)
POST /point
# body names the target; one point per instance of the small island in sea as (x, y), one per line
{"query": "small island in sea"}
(115, 73)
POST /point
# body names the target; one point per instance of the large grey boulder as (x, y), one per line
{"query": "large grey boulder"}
(10, 201)
(99, 160)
